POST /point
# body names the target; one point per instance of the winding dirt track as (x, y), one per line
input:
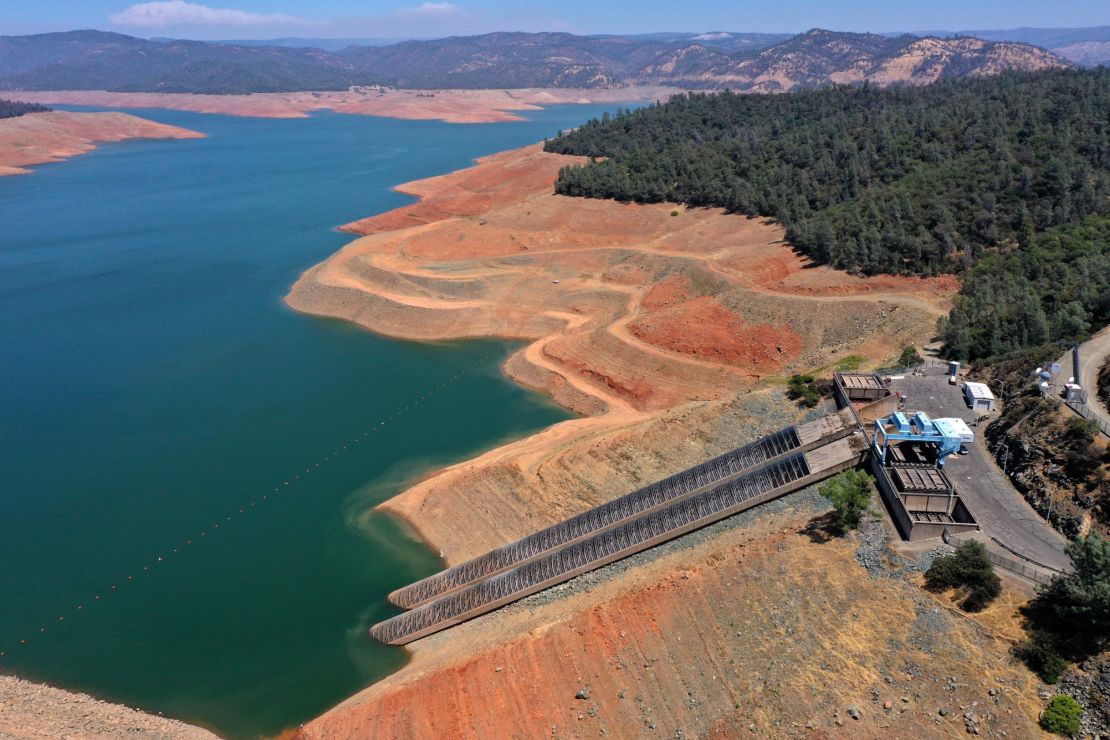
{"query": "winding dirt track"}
(662, 326)
(629, 311)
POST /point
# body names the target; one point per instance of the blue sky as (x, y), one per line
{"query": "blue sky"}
(424, 18)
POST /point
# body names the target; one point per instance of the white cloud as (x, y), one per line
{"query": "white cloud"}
(174, 13)
(430, 11)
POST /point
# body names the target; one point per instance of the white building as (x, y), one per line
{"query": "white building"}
(979, 396)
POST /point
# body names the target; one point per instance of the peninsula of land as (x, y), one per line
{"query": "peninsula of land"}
(667, 330)
(38, 138)
(631, 311)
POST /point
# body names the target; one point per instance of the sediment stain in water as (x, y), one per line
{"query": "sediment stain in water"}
(155, 384)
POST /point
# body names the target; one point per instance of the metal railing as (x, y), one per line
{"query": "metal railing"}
(601, 517)
(1026, 558)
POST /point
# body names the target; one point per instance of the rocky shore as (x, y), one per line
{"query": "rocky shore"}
(31, 711)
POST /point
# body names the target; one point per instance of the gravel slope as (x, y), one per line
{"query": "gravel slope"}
(32, 710)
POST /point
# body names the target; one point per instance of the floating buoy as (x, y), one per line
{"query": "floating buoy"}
(396, 414)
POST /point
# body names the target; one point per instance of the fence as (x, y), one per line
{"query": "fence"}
(1087, 413)
(1023, 566)
(1016, 566)
(1019, 564)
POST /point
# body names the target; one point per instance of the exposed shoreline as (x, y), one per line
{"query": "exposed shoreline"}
(668, 329)
(53, 136)
(451, 106)
(488, 251)
(35, 710)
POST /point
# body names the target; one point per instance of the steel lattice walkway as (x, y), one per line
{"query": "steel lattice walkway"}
(600, 518)
(627, 538)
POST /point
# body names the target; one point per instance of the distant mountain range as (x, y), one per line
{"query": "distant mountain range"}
(1074, 44)
(1088, 47)
(96, 60)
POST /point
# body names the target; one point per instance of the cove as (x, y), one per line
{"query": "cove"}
(155, 384)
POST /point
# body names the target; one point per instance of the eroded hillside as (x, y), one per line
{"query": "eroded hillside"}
(629, 311)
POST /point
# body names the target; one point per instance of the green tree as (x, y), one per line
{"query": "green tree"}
(967, 568)
(1079, 601)
(1040, 653)
(909, 357)
(1061, 716)
(850, 494)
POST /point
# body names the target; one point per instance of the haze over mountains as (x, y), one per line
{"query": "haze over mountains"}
(95, 60)
(1084, 46)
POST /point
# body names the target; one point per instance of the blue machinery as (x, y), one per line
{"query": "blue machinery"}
(947, 434)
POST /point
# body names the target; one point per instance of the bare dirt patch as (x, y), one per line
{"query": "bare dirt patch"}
(702, 327)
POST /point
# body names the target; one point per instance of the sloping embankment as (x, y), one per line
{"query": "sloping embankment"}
(31, 710)
(660, 325)
(630, 311)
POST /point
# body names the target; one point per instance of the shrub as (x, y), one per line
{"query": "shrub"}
(970, 568)
(1061, 716)
(803, 389)
(1039, 652)
(1082, 431)
(850, 494)
(674, 213)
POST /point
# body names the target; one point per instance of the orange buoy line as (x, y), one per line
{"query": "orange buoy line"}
(26, 641)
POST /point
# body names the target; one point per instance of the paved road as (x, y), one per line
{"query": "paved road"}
(998, 507)
(1093, 354)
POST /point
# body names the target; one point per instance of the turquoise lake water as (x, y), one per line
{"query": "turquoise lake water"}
(154, 384)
